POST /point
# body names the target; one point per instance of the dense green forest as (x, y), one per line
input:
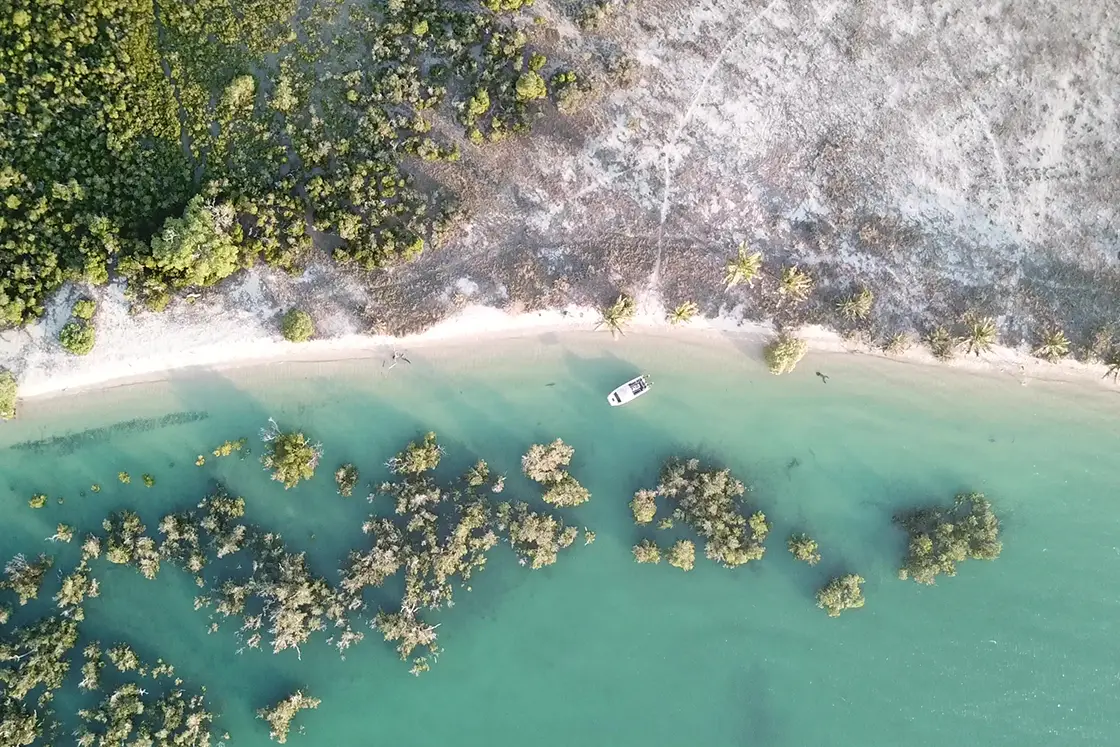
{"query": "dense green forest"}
(172, 143)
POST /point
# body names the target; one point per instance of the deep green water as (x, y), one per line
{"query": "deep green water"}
(598, 650)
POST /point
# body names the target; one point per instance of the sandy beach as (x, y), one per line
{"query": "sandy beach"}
(212, 335)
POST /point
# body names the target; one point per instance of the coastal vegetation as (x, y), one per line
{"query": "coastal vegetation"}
(616, 316)
(682, 554)
(783, 353)
(229, 447)
(9, 391)
(980, 334)
(84, 308)
(840, 594)
(297, 326)
(710, 502)
(804, 548)
(856, 307)
(941, 537)
(644, 506)
(744, 268)
(281, 714)
(434, 540)
(441, 535)
(173, 148)
(346, 477)
(548, 465)
(1053, 346)
(647, 551)
(77, 337)
(684, 313)
(25, 577)
(897, 344)
(942, 343)
(794, 284)
(1112, 362)
(290, 456)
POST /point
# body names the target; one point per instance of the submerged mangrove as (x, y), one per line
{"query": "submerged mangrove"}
(941, 537)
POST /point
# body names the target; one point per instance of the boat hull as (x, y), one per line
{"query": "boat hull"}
(628, 392)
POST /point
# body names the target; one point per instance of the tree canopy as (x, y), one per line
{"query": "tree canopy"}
(174, 143)
(841, 593)
(291, 457)
(941, 537)
(548, 465)
(710, 502)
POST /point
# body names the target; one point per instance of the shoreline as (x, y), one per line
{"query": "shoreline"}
(486, 323)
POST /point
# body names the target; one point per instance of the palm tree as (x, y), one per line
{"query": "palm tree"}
(980, 334)
(795, 283)
(1100, 343)
(941, 343)
(618, 314)
(856, 307)
(1112, 360)
(744, 268)
(897, 343)
(1054, 346)
(683, 313)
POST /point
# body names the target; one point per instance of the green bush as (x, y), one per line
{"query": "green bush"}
(710, 502)
(842, 593)
(508, 5)
(346, 477)
(195, 251)
(941, 537)
(647, 551)
(531, 86)
(804, 548)
(297, 326)
(77, 337)
(85, 308)
(644, 506)
(683, 555)
(784, 353)
(8, 392)
(290, 457)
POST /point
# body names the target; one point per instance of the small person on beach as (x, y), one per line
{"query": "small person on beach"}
(824, 378)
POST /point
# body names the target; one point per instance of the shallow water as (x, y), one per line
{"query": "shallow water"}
(597, 649)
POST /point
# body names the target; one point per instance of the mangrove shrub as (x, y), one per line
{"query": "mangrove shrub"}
(647, 551)
(841, 593)
(710, 502)
(682, 554)
(291, 457)
(941, 537)
(279, 716)
(804, 548)
(547, 464)
(8, 393)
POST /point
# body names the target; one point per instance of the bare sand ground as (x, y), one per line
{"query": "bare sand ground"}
(240, 344)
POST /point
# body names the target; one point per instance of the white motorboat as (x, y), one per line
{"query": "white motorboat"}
(630, 390)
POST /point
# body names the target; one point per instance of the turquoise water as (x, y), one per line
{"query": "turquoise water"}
(599, 650)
